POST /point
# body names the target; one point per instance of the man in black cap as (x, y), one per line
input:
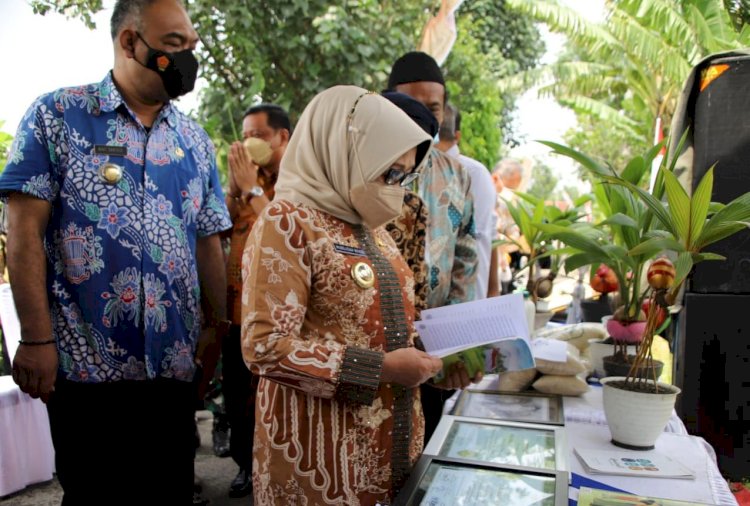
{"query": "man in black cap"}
(444, 186)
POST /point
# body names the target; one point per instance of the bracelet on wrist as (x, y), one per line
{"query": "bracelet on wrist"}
(37, 343)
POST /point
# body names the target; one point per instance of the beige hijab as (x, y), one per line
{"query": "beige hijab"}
(345, 137)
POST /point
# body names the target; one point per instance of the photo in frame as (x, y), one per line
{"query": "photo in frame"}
(529, 407)
(443, 481)
(497, 442)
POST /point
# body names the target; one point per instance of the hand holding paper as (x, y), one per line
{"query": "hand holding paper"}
(487, 336)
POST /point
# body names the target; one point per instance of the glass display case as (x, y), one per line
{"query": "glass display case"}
(516, 406)
(500, 443)
(444, 481)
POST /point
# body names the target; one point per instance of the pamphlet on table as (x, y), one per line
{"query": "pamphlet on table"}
(651, 464)
(594, 497)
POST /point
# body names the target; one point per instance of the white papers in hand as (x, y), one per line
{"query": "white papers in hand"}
(449, 329)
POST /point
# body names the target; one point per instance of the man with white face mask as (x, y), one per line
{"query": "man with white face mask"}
(253, 169)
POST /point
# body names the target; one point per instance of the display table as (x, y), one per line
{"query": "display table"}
(26, 452)
(586, 427)
(708, 487)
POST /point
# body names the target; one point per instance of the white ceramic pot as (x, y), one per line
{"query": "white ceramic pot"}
(598, 349)
(636, 419)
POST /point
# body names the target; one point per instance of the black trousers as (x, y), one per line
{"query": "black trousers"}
(126, 442)
(432, 407)
(238, 386)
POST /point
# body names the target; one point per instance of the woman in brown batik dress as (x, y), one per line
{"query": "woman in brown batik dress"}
(328, 311)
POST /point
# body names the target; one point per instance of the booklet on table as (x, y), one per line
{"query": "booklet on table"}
(594, 497)
(650, 464)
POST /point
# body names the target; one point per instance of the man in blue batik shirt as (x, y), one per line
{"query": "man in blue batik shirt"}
(114, 207)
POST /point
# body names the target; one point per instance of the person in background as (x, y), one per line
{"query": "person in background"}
(485, 198)
(507, 175)
(445, 187)
(409, 229)
(328, 310)
(114, 215)
(266, 130)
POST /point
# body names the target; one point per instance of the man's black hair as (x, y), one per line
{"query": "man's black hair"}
(277, 117)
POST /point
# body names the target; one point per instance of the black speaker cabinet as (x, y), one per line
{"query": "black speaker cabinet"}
(721, 122)
(712, 367)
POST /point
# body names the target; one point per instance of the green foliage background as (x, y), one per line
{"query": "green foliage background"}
(621, 73)
(286, 52)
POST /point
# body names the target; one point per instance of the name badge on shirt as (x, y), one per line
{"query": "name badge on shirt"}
(350, 250)
(110, 150)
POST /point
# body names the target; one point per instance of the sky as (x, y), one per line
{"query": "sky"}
(43, 53)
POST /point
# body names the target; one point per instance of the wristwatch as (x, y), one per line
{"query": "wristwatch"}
(255, 191)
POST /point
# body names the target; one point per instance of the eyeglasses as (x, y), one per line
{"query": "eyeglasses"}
(393, 176)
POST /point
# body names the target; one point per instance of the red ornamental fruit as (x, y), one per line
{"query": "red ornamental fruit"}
(661, 274)
(605, 280)
(660, 311)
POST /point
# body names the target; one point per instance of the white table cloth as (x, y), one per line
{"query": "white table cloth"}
(26, 452)
(708, 487)
(586, 427)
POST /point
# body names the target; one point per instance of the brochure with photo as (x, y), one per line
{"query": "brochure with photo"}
(488, 335)
(594, 497)
(651, 464)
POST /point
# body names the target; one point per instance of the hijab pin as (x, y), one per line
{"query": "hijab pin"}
(110, 173)
(363, 275)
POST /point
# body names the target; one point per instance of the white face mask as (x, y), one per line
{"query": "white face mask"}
(377, 203)
(259, 150)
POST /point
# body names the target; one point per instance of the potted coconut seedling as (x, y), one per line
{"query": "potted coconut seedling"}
(647, 229)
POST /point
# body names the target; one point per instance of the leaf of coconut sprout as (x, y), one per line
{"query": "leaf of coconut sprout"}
(572, 238)
(620, 219)
(718, 231)
(725, 222)
(699, 206)
(579, 260)
(682, 267)
(679, 207)
(653, 205)
(583, 199)
(707, 255)
(654, 245)
(617, 253)
(602, 198)
(634, 170)
(579, 157)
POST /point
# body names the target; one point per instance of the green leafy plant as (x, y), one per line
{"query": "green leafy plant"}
(641, 226)
(626, 223)
(531, 214)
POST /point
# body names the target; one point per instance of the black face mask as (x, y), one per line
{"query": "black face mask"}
(177, 71)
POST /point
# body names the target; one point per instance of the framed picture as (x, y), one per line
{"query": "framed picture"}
(517, 406)
(500, 443)
(442, 481)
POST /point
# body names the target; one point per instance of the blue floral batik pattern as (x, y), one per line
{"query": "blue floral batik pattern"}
(122, 276)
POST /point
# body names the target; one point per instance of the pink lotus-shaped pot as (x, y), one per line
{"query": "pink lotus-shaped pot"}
(626, 332)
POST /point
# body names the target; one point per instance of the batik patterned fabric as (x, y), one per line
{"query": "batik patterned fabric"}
(324, 422)
(409, 231)
(451, 249)
(121, 270)
(243, 223)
